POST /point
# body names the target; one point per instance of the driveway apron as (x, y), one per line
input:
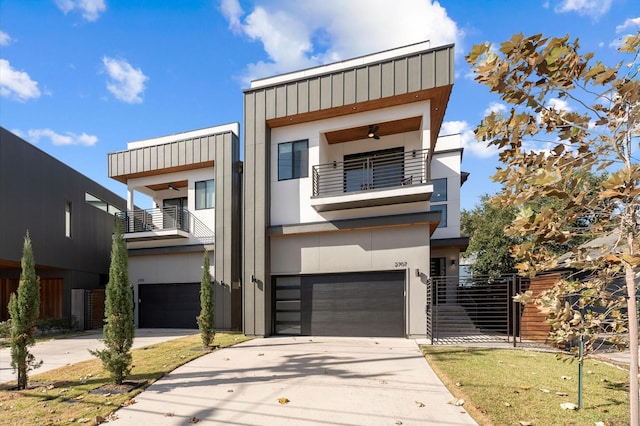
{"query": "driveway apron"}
(301, 381)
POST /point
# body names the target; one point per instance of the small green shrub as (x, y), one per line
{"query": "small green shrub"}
(48, 326)
(5, 329)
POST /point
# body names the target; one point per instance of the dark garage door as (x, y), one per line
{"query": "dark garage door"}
(168, 305)
(358, 304)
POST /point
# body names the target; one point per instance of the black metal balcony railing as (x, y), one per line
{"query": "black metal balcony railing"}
(162, 219)
(371, 173)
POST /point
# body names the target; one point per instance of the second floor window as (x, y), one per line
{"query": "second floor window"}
(293, 160)
(205, 194)
(439, 190)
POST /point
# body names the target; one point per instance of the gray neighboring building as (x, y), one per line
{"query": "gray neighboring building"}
(70, 220)
(194, 181)
(338, 186)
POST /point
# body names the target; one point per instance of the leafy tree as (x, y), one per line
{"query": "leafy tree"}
(488, 243)
(586, 118)
(24, 309)
(118, 328)
(207, 317)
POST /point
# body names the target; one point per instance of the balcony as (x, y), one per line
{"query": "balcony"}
(163, 224)
(373, 179)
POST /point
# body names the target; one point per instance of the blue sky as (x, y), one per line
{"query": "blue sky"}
(81, 78)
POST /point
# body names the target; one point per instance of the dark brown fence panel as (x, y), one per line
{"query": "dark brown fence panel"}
(51, 296)
(7, 286)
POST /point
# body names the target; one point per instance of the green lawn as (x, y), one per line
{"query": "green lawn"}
(509, 386)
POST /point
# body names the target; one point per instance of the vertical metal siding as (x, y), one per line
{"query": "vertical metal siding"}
(349, 87)
(400, 77)
(362, 84)
(314, 94)
(337, 90)
(325, 92)
(428, 77)
(375, 83)
(387, 80)
(292, 99)
(281, 101)
(303, 97)
(413, 74)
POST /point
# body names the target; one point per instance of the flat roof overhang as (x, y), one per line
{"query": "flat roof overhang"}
(165, 234)
(430, 219)
(381, 197)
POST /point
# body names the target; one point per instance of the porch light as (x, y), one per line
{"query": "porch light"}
(173, 187)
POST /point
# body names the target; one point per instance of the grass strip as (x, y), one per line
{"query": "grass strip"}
(515, 386)
(63, 396)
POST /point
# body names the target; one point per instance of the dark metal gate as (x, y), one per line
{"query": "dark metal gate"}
(465, 310)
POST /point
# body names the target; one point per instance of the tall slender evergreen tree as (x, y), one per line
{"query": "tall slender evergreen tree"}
(24, 309)
(207, 317)
(118, 329)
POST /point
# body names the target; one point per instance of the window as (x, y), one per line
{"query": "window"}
(442, 208)
(439, 190)
(374, 170)
(293, 160)
(205, 194)
(100, 204)
(67, 219)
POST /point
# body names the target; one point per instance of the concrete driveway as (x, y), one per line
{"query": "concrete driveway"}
(326, 380)
(60, 352)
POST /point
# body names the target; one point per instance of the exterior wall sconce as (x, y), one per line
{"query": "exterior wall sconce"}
(453, 262)
(335, 165)
(254, 279)
(417, 272)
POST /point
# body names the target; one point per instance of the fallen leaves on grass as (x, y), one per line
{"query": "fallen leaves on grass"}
(568, 406)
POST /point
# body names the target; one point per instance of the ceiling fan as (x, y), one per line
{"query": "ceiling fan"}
(373, 132)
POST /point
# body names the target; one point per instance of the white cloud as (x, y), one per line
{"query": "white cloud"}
(629, 23)
(468, 139)
(559, 104)
(5, 39)
(68, 138)
(593, 8)
(297, 35)
(126, 83)
(495, 107)
(90, 9)
(233, 12)
(16, 84)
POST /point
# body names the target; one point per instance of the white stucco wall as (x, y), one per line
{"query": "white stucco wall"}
(290, 199)
(446, 164)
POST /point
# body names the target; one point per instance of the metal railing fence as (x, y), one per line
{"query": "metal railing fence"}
(371, 173)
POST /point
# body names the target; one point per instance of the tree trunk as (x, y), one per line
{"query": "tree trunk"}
(633, 346)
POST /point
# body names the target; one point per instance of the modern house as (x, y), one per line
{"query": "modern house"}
(70, 220)
(345, 187)
(194, 182)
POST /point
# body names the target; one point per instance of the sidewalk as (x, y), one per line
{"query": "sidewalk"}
(57, 353)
